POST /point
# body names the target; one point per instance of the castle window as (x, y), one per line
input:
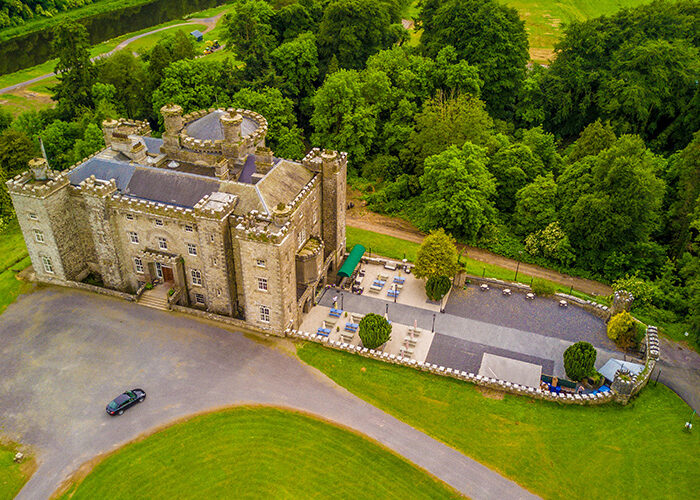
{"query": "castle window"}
(162, 243)
(133, 237)
(189, 228)
(191, 249)
(265, 314)
(211, 237)
(262, 284)
(38, 236)
(199, 298)
(196, 277)
(138, 265)
(315, 216)
(129, 217)
(214, 261)
(33, 216)
(159, 222)
(218, 292)
(48, 267)
(260, 262)
(301, 237)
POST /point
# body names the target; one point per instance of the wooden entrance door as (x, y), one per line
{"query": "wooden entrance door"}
(167, 273)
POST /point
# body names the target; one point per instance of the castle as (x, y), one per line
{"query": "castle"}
(207, 210)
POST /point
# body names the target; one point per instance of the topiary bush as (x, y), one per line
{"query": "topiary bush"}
(579, 360)
(437, 286)
(374, 330)
(542, 287)
(622, 329)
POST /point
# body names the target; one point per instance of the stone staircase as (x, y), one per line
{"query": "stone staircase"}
(154, 299)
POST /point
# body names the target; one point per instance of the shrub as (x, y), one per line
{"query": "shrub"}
(579, 360)
(622, 329)
(149, 286)
(542, 287)
(437, 286)
(374, 331)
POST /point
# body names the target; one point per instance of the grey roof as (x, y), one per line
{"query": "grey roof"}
(248, 170)
(170, 187)
(196, 33)
(283, 183)
(103, 169)
(153, 144)
(208, 127)
(609, 369)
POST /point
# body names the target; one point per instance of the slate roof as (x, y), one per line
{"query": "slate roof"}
(283, 183)
(175, 188)
(208, 127)
(153, 144)
(104, 170)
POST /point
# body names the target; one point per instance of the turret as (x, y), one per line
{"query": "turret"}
(231, 125)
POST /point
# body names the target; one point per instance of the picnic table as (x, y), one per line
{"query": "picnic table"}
(530, 296)
(484, 287)
(563, 303)
(507, 291)
(379, 284)
(393, 293)
(336, 313)
(323, 331)
(399, 280)
(352, 327)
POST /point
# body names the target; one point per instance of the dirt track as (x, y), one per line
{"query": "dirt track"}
(362, 218)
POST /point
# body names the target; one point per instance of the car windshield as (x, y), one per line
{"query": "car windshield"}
(119, 400)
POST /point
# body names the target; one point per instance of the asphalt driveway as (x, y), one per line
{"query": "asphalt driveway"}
(64, 354)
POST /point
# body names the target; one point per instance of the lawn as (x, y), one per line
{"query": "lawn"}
(544, 18)
(12, 475)
(258, 452)
(556, 451)
(145, 43)
(396, 248)
(13, 258)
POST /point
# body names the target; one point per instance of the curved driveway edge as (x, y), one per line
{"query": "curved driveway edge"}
(65, 353)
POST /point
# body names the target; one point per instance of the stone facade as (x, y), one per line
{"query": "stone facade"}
(207, 209)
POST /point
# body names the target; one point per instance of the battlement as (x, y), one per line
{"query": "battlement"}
(217, 205)
(317, 160)
(97, 188)
(128, 204)
(27, 185)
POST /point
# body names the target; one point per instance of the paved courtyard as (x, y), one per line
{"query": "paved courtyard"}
(65, 353)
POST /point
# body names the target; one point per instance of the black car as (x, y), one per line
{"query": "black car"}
(126, 400)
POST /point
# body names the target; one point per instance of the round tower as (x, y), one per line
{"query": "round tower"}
(231, 125)
(172, 116)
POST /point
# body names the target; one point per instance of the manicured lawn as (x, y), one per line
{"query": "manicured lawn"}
(13, 257)
(258, 452)
(544, 18)
(396, 248)
(556, 451)
(12, 475)
(149, 41)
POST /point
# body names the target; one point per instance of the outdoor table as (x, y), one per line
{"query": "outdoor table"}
(399, 280)
(507, 291)
(530, 296)
(484, 287)
(563, 303)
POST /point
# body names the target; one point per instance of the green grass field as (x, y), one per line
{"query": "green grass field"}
(13, 258)
(258, 452)
(557, 451)
(544, 18)
(12, 475)
(396, 248)
(145, 43)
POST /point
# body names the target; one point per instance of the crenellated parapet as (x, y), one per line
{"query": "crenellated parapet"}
(216, 206)
(96, 188)
(127, 204)
(26, 184)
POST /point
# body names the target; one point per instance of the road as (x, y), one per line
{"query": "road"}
(210, 22)
(66, 353)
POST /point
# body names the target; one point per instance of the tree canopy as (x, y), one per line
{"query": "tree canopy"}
(437, 256)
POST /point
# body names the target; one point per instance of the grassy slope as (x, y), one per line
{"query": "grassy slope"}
(259, 453)
(12, 476)
(554, 450)
(396, 248)
(13, 257)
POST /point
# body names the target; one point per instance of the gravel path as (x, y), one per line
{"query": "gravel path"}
(66, 353)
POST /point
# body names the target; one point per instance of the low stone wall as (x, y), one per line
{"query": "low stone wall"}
(491, 383)
(238, 323)
(84, 286)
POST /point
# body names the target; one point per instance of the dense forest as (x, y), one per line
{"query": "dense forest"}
(590, 165)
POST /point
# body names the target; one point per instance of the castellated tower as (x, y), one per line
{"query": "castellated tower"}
(172, 116)
(333, 203)
(52, 224)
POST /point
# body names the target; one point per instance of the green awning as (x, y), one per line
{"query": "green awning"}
(351, 262)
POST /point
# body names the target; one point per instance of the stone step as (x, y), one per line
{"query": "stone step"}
(154, 302)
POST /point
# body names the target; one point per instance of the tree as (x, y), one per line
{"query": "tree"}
(536, 203)
(353, 30)
(127, 74)
(513, 167)
(296, 62)
(447, 121)
(551, 243)
(250, 34)
(622, 329)
(76, 73)
(437, 286)
(16, 149)
(437, 256)
(374, 331)
(292, 20)
(5, 119)
(487, 35)
(579, 360)
(457, 192)
(593, 139)
(92, 141)
(59, 137)
(183, 47)
(342, 117)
